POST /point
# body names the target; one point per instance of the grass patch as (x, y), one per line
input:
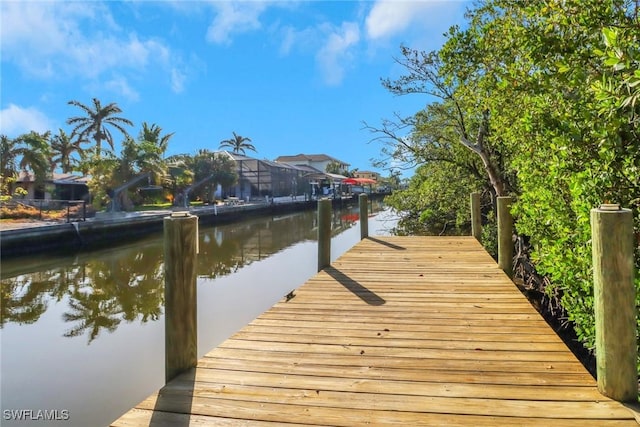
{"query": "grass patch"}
(153, 206)
(55, 212)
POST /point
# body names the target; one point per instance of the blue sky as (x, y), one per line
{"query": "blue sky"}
(294, 76)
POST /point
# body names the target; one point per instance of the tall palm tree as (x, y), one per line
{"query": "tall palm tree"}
(28, 152)
(8, 157)
(139, 157)
(153, 146)
(152, 134)
(94, 123)
(126, 168)
(9, 154)
(32, 150)
(238, 144)
(35, 153)
(62, 148)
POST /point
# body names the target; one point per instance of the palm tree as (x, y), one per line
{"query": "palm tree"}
(139, 159)
(126, 168)
(28, 152)
(8, 155)
(238, 144)
(94, 124)
(35, 153)
(152, 134)
(152, 149)
(31, 148)
(150, 159)
(62, 148)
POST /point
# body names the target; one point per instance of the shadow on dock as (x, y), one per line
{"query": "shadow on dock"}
(459, 346)
(388, 244)
(175, 406)
(634, 407)
(363, 293)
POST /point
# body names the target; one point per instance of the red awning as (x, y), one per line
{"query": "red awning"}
(358, 181)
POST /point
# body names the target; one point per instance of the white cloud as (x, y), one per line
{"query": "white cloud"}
(390, 17)
(16, 120)
(32, 33)
(336, 54)
(288, 40)
(303, 39)
(234, 18)
(63, 40)
(121, 85)
(177, 80)
(334, 47)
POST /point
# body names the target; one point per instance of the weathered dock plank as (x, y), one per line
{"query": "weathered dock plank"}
(398, 331)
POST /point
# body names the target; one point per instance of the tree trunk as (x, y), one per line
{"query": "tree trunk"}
(494, 177)
(479, 148)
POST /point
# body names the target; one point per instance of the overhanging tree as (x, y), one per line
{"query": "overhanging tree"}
(560, 80)
(468, 120)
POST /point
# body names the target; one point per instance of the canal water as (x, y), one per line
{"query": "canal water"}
(82, 337)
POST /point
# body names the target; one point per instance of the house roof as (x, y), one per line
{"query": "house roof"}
(309, 158)
(236, 156)
(308, 169)
(336, 176)
(325, 175)
(67, 178)
(272, 164)
(275, 164)
(56, 178)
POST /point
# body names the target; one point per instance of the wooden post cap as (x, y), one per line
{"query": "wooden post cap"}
(610, 207)
(180, 214)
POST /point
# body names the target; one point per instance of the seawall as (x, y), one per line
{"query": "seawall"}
(113, 228)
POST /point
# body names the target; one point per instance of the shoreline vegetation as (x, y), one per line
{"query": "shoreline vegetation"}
(539, 102)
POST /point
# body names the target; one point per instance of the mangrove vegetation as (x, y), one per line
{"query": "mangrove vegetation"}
(537, 100)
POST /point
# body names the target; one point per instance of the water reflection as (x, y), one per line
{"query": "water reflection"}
(104, 288)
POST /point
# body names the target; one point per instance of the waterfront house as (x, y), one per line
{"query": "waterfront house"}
(316, 161)
(260, 178)
(58, 186)
(367, 175)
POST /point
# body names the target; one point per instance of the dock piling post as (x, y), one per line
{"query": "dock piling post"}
(324, 233)
(476, 219)
(180, 261)
(505, 235)
(615, 302)
(364, 215)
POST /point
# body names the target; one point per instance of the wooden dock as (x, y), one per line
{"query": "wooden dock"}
(405, 331)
